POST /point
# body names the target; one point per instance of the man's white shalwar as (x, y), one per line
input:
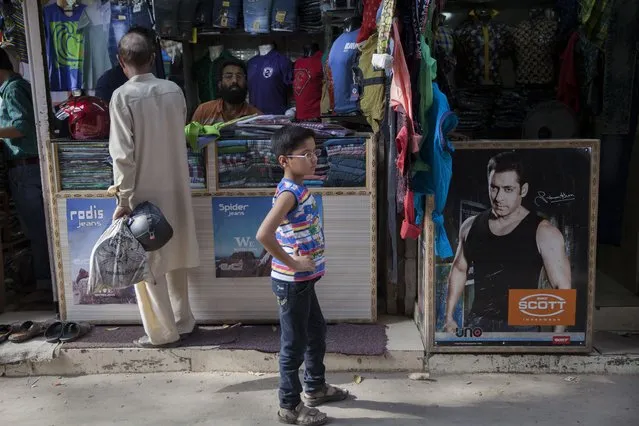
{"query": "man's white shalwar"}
(148, 148)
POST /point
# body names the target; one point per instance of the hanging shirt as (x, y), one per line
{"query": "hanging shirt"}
(269, 77)
(94, 24)
(481, 45)
(64, 47)
(534, 43)
(340, 60)
(437, 153)
(369, 16)
(307, 87)
(371, 84)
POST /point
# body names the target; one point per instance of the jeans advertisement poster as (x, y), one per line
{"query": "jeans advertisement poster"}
(87, 219)
(236, 220)
(521, 219)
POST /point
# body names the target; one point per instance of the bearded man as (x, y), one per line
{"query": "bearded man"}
(232, 89)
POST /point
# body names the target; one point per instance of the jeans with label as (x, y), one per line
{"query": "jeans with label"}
(257, 16)
(26, 190)
(123, 17)
(226, 13)
(284, 15)
(302, 340)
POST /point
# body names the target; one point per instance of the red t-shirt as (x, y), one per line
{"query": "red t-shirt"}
(307, 87)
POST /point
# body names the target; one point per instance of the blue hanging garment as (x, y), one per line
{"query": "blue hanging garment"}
(436, 151)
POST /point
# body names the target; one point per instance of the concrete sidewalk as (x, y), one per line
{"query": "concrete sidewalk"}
(382, 399)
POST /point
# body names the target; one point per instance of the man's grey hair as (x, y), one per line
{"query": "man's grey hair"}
(137, 47)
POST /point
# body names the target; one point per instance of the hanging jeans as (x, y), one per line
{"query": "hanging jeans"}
(123, 17)
(257, 16)
(226, 13)
(284, 15)
(175, 18)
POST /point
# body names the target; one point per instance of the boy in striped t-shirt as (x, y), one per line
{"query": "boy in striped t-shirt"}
(292, 233)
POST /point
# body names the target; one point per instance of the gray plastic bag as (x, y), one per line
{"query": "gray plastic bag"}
(118, 260)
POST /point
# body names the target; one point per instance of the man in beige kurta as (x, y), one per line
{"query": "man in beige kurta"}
(148, 148)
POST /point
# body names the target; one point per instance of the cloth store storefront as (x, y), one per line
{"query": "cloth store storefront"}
(465, 82)
(233, 175)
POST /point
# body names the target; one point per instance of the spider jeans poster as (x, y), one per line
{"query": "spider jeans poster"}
(236, 220)
(87, 219)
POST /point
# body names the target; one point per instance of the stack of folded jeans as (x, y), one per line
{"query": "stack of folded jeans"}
(347, 162)
(232, 162)
(197, 169)
(510, 110)
(84, 166)
(474, 108)
(318, 179)
(310, 16)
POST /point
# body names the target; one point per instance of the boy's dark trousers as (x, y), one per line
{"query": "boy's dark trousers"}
(302, 339)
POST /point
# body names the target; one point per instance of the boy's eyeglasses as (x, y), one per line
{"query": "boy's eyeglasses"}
(309, 155)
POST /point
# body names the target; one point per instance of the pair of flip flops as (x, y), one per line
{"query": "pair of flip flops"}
(62, 331)
(21, 332)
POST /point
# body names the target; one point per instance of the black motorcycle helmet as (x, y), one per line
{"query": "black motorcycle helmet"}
(149, 226)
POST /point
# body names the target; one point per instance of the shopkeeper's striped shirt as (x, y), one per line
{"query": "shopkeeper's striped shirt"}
(301, 230)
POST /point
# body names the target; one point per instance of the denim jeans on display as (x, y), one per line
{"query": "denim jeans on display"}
(302, 340)
(166, 18)
(257, 16)
(123, 17)
(26, 190)
(226, 13)
(284, 15)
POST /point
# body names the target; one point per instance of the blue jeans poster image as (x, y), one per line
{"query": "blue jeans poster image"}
(235, 222)
(87, 219)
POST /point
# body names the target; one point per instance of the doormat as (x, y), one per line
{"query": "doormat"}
(347, 339)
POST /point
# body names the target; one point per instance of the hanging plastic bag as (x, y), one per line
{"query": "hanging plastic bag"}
(118, 260)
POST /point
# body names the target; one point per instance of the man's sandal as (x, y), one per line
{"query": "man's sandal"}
(328, 394)
(302, 415)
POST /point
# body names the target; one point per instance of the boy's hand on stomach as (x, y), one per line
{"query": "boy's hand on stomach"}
(303, 263)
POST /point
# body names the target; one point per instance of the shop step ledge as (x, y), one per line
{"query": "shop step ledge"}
(74, 362)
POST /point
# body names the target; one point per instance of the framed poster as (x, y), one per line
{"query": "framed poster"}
(235, 222)
(521, 218)
(87, 219)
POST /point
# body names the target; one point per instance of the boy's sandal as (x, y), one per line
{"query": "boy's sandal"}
(328, 394)
(302, 415)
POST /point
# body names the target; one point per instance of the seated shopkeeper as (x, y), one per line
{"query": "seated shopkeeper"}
(232, 90)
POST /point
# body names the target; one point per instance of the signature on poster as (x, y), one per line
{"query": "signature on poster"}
(543, 198)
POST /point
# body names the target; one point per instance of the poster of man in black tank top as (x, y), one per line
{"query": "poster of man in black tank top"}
(520, 271)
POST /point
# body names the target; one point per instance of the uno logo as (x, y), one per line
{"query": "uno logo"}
(542, 307)
(469, 332)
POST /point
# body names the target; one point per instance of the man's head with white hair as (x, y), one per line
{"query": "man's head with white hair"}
(136, 51)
